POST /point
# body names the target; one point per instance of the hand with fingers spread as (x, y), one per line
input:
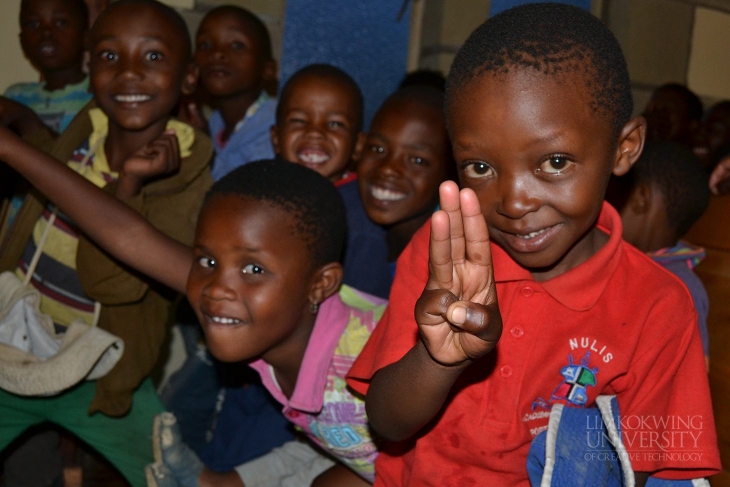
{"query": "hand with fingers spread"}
(159, 158)
(457, 313)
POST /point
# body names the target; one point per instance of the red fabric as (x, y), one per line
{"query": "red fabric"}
(348, 177)
(629, 320)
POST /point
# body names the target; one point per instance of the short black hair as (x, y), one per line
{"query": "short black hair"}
(177, 21)
(678, 174)
(308, 197)
(258, 28)
(693, 102)
(553, 39)
(323, 71)
(79, 8)
(424, 77)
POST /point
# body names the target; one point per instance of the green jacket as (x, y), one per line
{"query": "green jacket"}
(134, 307)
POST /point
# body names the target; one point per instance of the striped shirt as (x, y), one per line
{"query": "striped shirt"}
(55, 108)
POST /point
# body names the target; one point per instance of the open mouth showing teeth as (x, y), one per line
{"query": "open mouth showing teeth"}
(313, 157)
(47, 50)
(224, 321)
(531, 234)
(131, 98)
(386, 194)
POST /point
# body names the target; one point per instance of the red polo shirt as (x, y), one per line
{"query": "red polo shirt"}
(616, 324)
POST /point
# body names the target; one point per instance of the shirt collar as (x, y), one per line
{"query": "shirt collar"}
(581, 287)
(100, 127)
(308, 396)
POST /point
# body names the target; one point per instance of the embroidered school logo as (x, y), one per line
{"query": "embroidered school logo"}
(574, 387)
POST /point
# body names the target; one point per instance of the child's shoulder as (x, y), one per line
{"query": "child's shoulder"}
(22, 89)
(364, 313)
(638, 273)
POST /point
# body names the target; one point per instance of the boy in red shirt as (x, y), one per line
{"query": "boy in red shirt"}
(539, 112)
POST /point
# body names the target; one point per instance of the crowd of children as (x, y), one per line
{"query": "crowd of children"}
(517, 287)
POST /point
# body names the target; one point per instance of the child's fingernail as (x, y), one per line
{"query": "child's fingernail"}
(170, 131)
(458, 315)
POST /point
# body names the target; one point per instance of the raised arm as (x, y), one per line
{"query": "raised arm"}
(110, 223)
(458, 319)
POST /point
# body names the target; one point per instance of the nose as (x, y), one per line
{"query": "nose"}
(315, 129)
(517, 198)
(130, 68)
(218, 287)
(392, 163)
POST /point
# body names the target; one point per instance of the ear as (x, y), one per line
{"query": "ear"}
(640, 199)
(359, 145)
(326, 281)
(629, 146)
(190, 81)
(274, 131)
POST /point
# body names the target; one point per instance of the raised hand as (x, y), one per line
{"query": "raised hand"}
(189, 112)
(720, 178)
(457, 313)
(159, 158)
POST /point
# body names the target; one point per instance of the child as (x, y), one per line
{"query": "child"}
(319, 125)
(673, 114)
(406, 156)
(233, 53)
(52, 35)
(267, 230)
(539, 112)
(140, 55)
(669, 193)
(234, 57)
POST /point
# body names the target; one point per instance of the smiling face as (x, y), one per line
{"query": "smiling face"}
(403, 162)
(251, 280)
(539, 161)
(231, 56)
(52, 34)
(138, 64)
(319, 126)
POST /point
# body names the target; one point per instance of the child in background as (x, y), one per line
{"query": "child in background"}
(52, 35)
(539, 112)
(407, 156)
(140, 64)
(233, 53)
(319, 125)
(673, 114)
(669, 192)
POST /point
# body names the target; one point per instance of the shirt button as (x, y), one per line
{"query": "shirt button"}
(506, 371)
(527, 291)
(517, 332)
(292, 414)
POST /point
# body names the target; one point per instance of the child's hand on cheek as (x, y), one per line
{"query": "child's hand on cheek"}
(457, 313)
(191, 113)
(161, 157)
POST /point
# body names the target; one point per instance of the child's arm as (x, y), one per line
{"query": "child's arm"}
(458, 319)
(20, 117)
(118, 229)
